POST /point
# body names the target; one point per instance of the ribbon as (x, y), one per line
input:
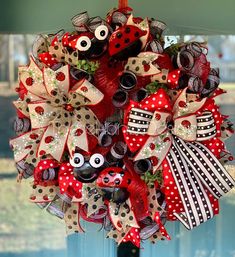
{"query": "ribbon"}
(195, 167)
(192, 60)
(68, 183)
(168, 134)
(107, 131)
(146, 64)
(122, 4)
(59, 114)
(72, 219)
(46, 173)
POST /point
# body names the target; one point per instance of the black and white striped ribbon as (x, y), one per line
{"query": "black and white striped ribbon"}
(206, 128)
(195, 167)
(139, 121)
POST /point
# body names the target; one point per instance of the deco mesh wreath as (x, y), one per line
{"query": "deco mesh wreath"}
(118, 130)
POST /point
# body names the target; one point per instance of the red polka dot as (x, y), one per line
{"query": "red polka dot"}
(29, 81)
(49, 139)
(182, 104)
(60, 76)
(186, 123)
(157, 116)
(33, 136)
(152, 146)
(39, 110)
(78, 132)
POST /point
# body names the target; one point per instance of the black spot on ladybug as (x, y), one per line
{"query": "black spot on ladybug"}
(106, 180)
(137, 34)
(117, 45)
(122, 173)
(127, 30)
(117, 182)
(111, 173)
(127, 40)
(128, 181)
(119, 35)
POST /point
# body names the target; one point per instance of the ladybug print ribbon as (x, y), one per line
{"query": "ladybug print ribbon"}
(59, 114)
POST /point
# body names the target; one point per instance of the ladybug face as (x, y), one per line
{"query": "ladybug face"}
(90, 44)
(125, 42)
(114, 177)
(87, 171)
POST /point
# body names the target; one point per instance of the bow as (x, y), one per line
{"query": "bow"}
(161, 131)
(59, 114)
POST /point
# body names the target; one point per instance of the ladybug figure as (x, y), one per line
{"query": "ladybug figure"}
(128, 40)
(87, 171)
(92, 41)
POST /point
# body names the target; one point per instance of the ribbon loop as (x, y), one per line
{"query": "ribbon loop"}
(79, 20)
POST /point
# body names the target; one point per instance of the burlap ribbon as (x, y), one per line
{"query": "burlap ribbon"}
(59, 114)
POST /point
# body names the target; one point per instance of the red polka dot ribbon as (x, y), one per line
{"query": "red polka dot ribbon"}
(68, 183)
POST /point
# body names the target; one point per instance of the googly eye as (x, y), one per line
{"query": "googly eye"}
(96, 160)
(101, 32)
(77, 160)
(83, 43)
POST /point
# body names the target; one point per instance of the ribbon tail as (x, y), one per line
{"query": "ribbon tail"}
(207, 167)
(196, 203)
(72, 219)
